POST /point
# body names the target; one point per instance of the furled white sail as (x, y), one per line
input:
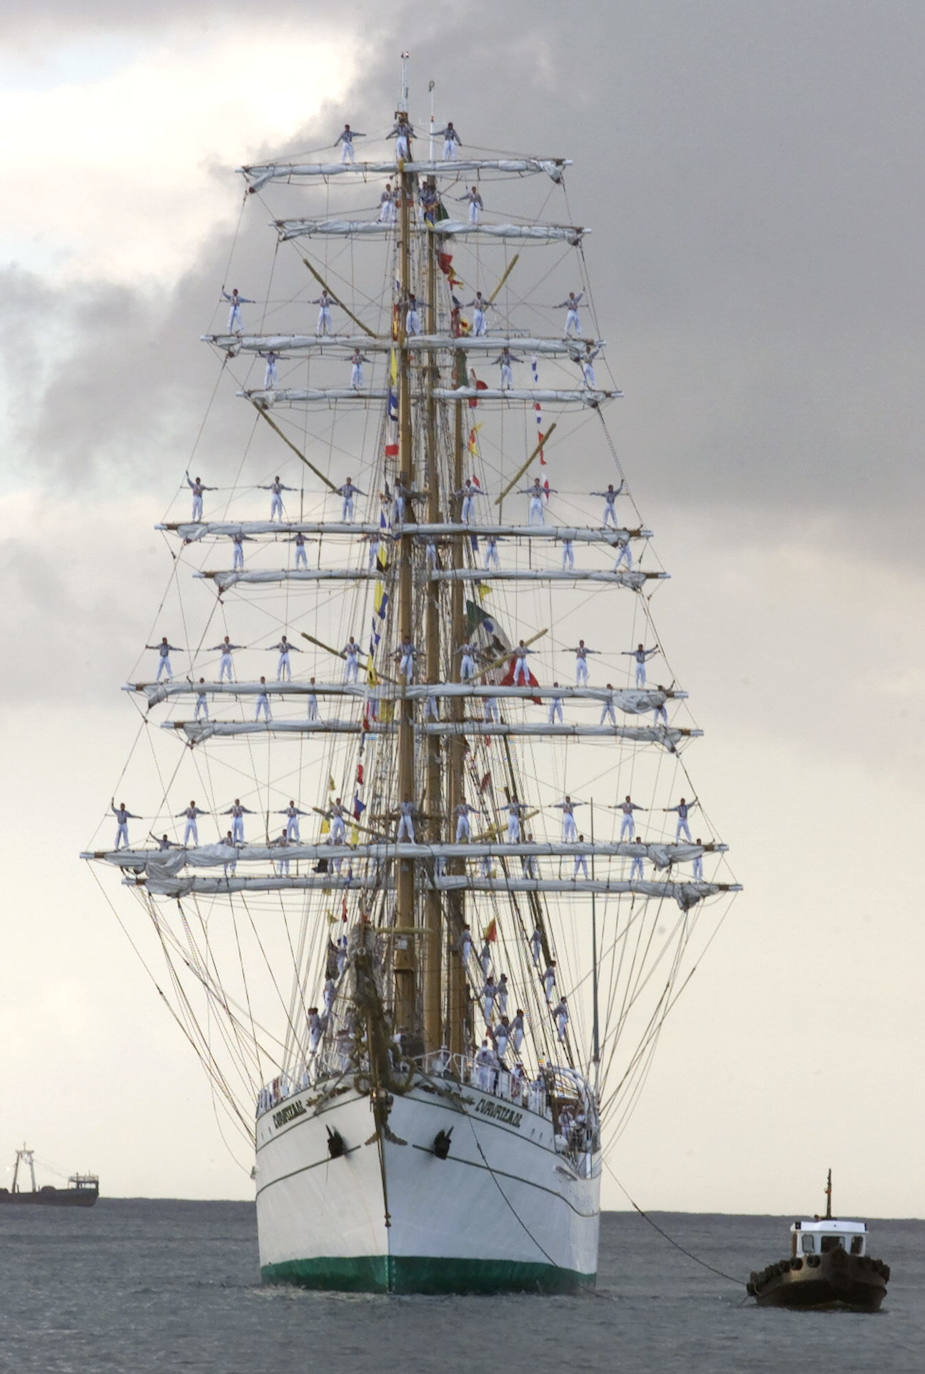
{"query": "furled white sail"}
(258, 175)
(352, 228)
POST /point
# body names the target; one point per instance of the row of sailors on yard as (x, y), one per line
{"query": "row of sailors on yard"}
(403, 133)
(337, 815)
(395, 503)
(412, 316)
(405, 656)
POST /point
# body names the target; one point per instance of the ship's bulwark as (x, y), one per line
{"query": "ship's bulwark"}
(503, 1211)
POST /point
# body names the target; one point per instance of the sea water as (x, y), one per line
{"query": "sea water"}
(138, 1286)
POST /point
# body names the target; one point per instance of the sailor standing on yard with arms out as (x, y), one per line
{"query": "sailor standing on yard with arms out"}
(276, 487)
(164, 651)
(683, 808)
(450, 141)
(191, 813)
(122, 819)
(234, 314)
(197, 487)
(640, 654)
(346, 137)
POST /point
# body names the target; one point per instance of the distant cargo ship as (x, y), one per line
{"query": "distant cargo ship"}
(82, 1189)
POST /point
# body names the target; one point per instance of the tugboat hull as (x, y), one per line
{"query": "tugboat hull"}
(834, 1280)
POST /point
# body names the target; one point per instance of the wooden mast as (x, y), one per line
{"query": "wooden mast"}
(432, 952)
(457, 1007)
(404, 962)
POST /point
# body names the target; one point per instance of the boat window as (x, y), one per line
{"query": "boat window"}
(857, 1245)
(809, 1244)
(830, 1243)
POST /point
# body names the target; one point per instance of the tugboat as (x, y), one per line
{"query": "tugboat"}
(828, 1268)
(82, 1189)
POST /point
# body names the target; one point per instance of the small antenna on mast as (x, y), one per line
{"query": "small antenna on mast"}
(430, 88)
(403, 98)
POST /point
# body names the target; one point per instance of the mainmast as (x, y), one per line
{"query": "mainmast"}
(404, 963)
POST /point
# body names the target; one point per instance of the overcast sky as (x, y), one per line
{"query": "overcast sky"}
(752, 176)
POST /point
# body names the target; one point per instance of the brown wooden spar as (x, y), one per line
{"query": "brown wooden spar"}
(404, 957)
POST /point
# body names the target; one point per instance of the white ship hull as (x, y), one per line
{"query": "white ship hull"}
(504, 1210)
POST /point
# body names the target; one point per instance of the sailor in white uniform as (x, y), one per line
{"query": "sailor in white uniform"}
(301, 557)
(271, 374)
(357, 359)
(406, 653)
(237, 545)
(560, 1014)
(581, 662)
(490, 711)
(479, 305)
(406, 811)
(607, 711)
(465, 946)
(284, 667)
(683, 809)
(336, 815)
(569, 829)
(276, 487)
(610, 507)
(529, 865)
(536, 945)
(555, 709)
(225, 669)
(192, 831)
(469, 491)
(636, 865)
(570, 306)
(521, 671)
(315, 1030)
(549, 979)
(412, 318)
(491, 553)
(292, 814)
(122, 819)
(586, 360)
(628, 825)
(403, 133)
(237, 812)
(311, 706)
(234, 314)
(517, 1030)
(348, 491)
(202, 708)
(476, 205)
(624, 555)
(324, 302)
(431, 707)
(263, 702)
(197, 487)
(485, 1066)
(164, 651)
(450, 141)
(489, 991)
(346, 137)
(463, 828)
(514, 812)
(386, 206)
(640, 654)
(536, 494)
(581, 862)
(351, 652)
(568, 555)
(698, 863)
(467, 662)
(504, 359)
(282, 865)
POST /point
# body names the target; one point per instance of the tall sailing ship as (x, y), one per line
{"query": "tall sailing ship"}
(419, 856)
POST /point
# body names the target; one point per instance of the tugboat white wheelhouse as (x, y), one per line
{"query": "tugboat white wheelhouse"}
(424, 880)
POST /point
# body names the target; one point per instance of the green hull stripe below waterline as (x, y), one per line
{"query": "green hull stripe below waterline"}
(420, 1274)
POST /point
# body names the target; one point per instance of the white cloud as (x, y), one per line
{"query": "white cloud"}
(113, 178)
